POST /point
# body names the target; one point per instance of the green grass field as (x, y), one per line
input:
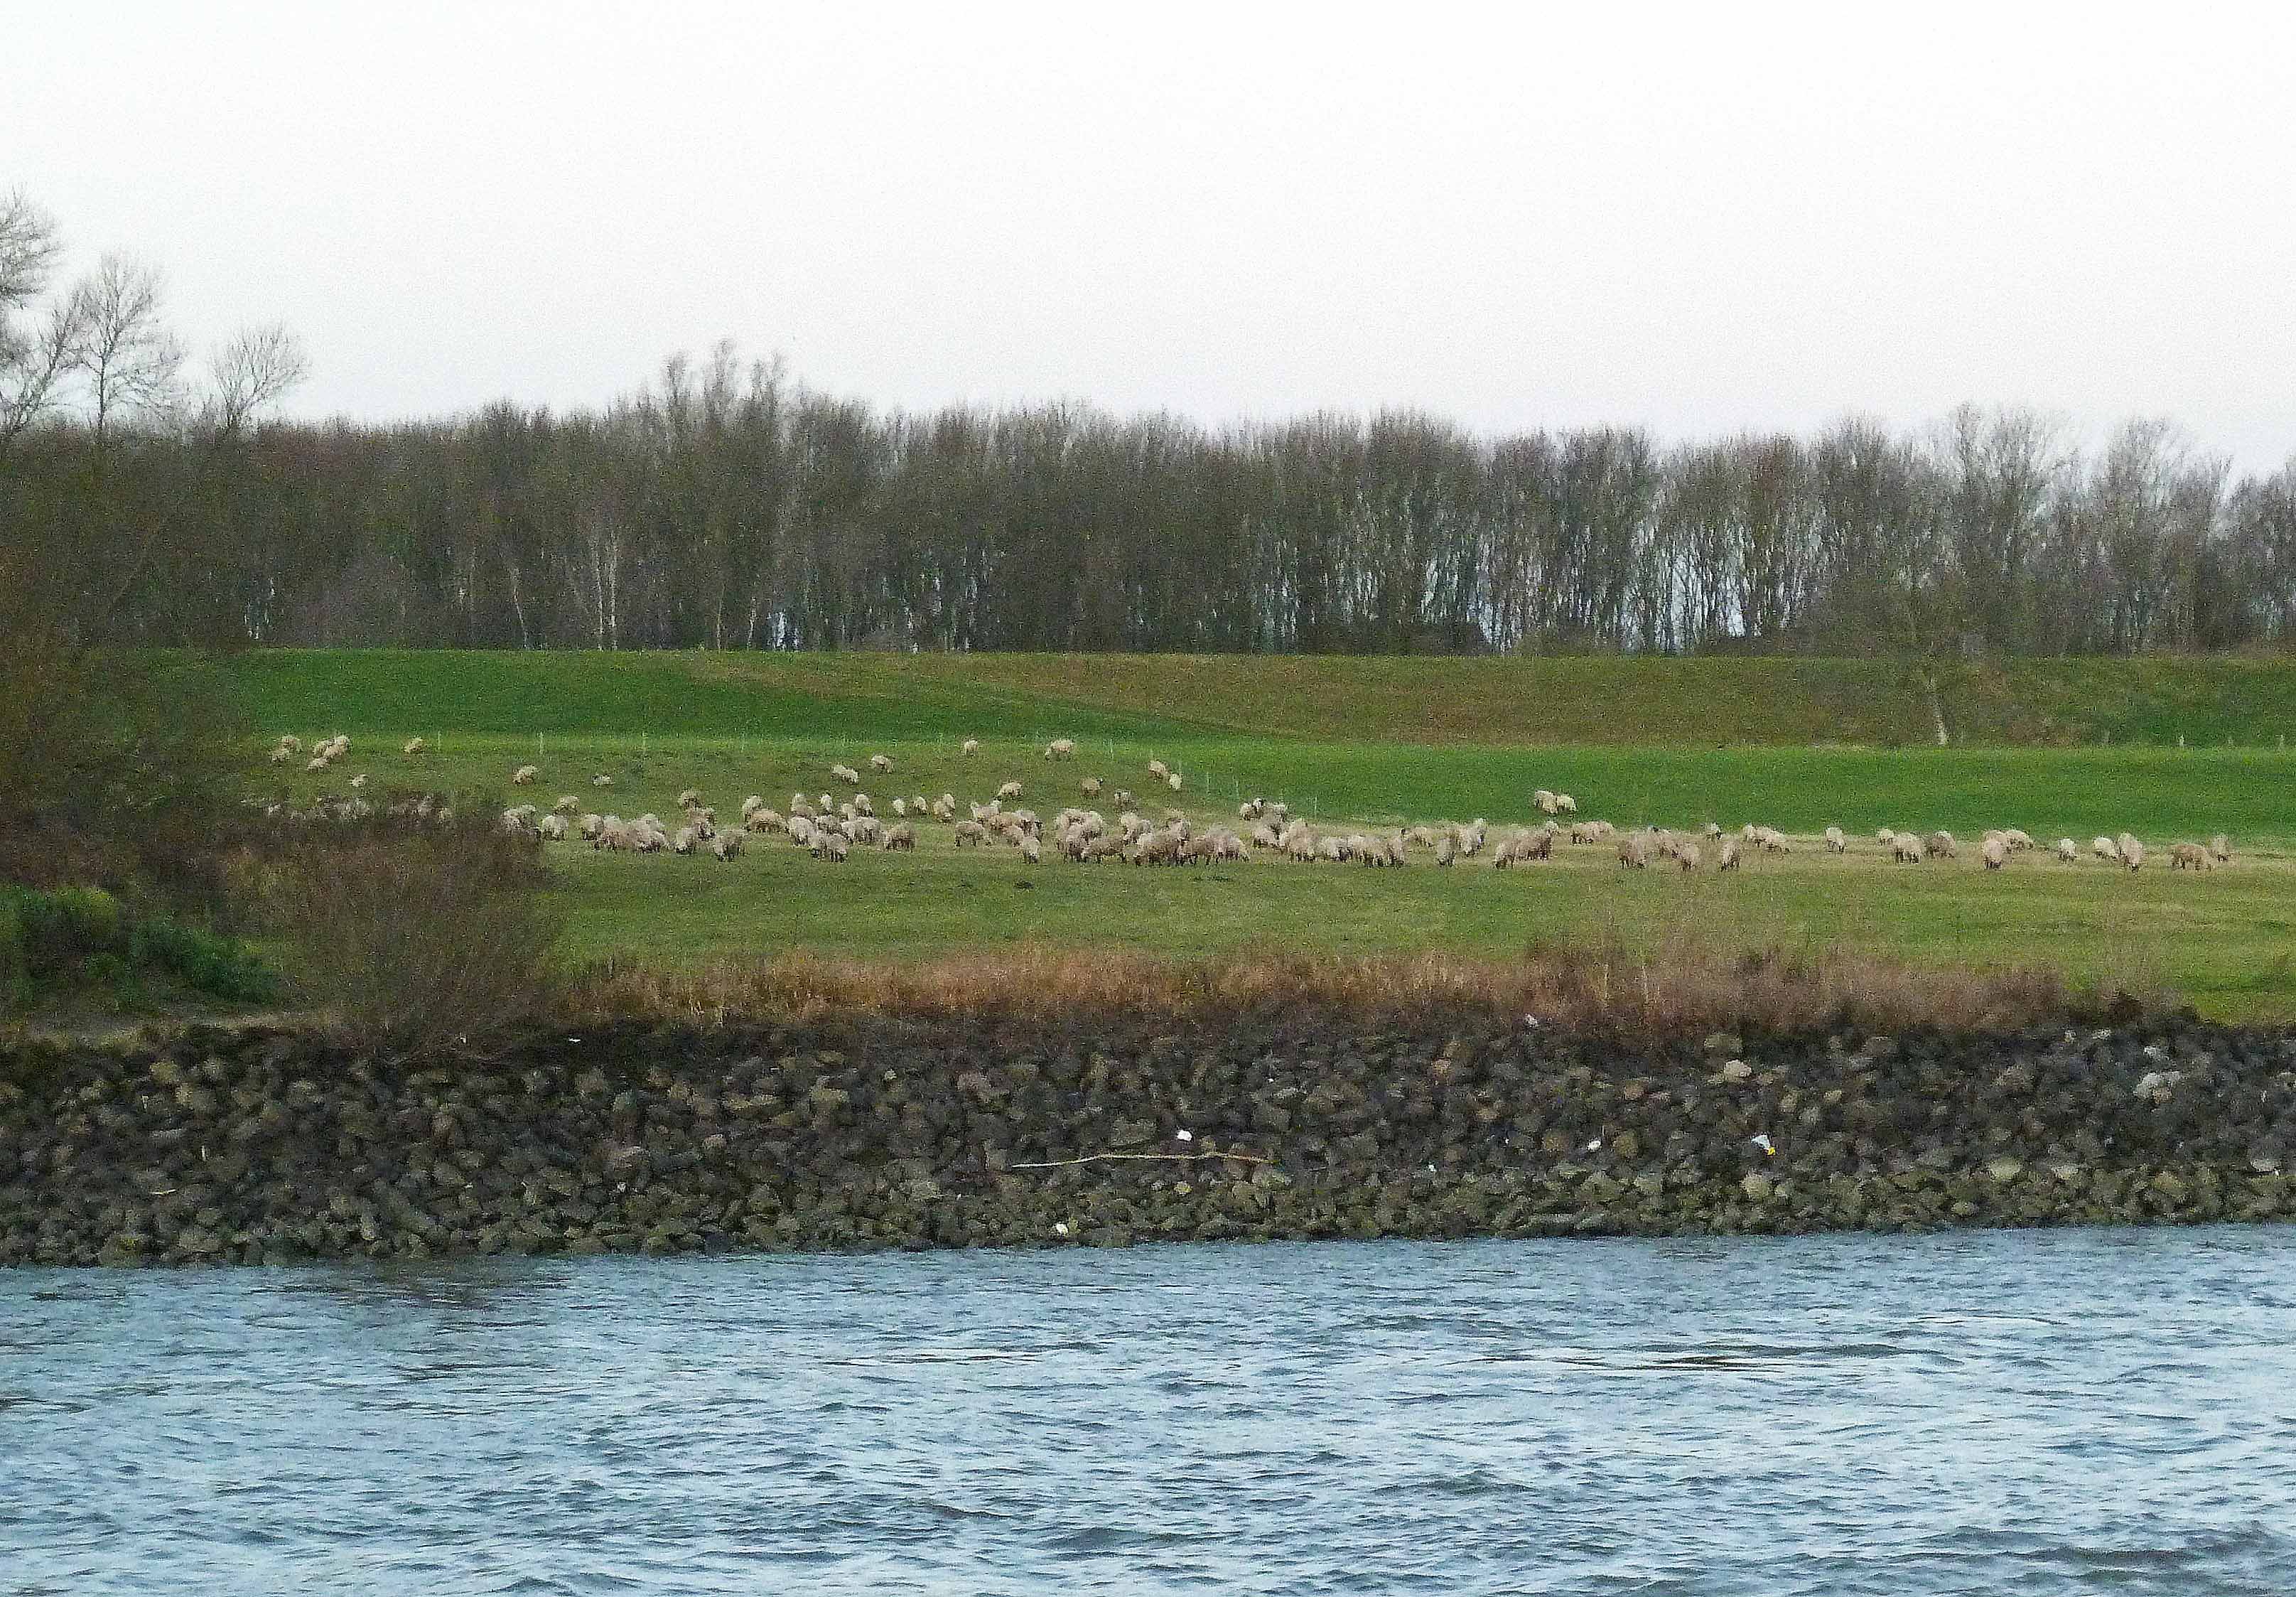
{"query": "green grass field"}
(1370, 743)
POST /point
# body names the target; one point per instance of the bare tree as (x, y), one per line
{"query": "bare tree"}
(35, 352)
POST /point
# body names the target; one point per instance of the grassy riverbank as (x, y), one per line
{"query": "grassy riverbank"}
(1357, 744)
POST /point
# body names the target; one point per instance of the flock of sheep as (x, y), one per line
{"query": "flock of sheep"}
(829, 828)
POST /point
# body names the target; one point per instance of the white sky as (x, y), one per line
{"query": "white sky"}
(1700, 218)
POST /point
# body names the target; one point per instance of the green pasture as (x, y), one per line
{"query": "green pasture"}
(660, 724)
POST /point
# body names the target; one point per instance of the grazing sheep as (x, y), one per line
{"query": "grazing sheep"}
(1885, 838)
(726, 846)
(590, 825)
(318, 763)
(761, 821)
(1996, 853)
(862, 806)
(683, 843)
(902, 837)
(1264, 835)
(2132, 853)
(358, 781)
(1688, 857)
(970, 834)
(880, 763)
(831, 846)
(1544, 800)
(1941, 845)
(523, 777)
(1032, 852)
(1905, 848)
(1251, 809)
(2068, 850)
(943, 807)
(412, 747)
(1836, 841)
(553, 828)
(1090, 786)
(1633, 852)
(2220, 849)
(971, 747)
(1123, 798)
(290, 743)
(689, 798)
(2016, 840)
(281, 755)
(601, 780)
(1060, 748)
(566, 804)
(2105, 848)
(1566, 804)
(1711, 832)
(1158, 770)
(1726, 858)
(847, 775)
(1173, 781)
(1446, 849)
(1009, 790)
(901, 807)
(2188, 856)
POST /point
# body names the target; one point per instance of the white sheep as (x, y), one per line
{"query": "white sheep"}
(601, 780)
(1566, 804)
(1009, 790)
(2105, 848)
(523, 777)
(412, 747)
(2132, 851)
(688, 799)
(726, 846)
(1996, 853)
(971, 747)
(553, 828)
(2220, 849)
(1836, 841)
(683, 843)
(903, 836)
(290, 743)
(281, 755)
(1060, 748)
(1158, 770)
(2068, 850)
(880, 763)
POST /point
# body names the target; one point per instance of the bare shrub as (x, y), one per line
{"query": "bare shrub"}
(418, 939)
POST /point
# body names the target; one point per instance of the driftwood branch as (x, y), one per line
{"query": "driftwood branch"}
(1189, 1157)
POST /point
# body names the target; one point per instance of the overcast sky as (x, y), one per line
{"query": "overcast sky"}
(1702, 219)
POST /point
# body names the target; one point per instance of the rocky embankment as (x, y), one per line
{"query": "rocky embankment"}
(263, 1145)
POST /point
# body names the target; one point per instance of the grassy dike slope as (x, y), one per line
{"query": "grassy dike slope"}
(1596, 700)
(1369, 743)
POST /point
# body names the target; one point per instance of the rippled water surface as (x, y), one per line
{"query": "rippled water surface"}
(2027, 1412)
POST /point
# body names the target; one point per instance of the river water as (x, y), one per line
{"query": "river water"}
(2029, 1412)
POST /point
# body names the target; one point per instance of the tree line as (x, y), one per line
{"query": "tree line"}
(725, 505)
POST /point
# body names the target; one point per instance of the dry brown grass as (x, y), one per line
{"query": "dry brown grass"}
(1682, 987)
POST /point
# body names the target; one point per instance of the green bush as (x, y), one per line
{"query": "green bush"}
(81, 936)
(222, 967)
